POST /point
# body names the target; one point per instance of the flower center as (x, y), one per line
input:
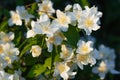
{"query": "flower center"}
(65, 53)
(88, 23)
(8, 60)
(61, 68)
(82, 57)
(6, 39)
(1, 49)
(45, 8)
(15, 17)
(63, 20)
(35, 51)
(51, 39)
(85, 48)
(102, 67)
(46, 28)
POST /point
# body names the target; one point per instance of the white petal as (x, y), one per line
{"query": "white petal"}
(44, 18)
(19, 22)
(80, 65)
(76, 7)
(96, 54)
(36, 27)
(114, 71)
(11, 35)
(10, 22)
(102, 75)
(68, 7)
(30, 33)
(64, 75)
(50, 47)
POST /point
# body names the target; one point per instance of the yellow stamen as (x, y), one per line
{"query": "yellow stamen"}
(82, 57)
(88, 23)
(62, 20)
(61, 68)
(102, 67)
(8, 60)
(1, 49)
(84, 48)
(6, 39)
(15, 17)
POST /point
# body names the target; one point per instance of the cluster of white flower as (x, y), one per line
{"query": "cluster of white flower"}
(8, 54)
(106, 62)
(19, 15)
(84, 55)
(53, 28)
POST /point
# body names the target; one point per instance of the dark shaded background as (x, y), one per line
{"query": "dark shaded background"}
(108, 34)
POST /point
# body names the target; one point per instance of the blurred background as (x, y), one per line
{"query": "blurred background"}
(108, 34)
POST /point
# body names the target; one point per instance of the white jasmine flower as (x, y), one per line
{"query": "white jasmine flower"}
(15, 19)
(62, 21)
(88, 23)
(85, 60)
(43, 26)
(46, 7)
(56, 39)
(23, 13)
(101, 70)
(4, 38)
(89, 20)
(9, 54)
(85, 54)
(9, 49)
(61, 69)
(67, 52)
(84, 47)
(36, 50)
(30, 33)
(105, 67)
(5, 76)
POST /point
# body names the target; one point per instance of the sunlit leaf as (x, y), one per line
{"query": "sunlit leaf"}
(36, 70)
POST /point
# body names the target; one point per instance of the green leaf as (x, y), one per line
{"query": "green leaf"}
(27, 47)
(82, 3)
(3, 26)
(18, 38)
(36, 70)
(72, 36)
(48, 63)
(48, 72)
(29, 60)
(33, 9)
(57, 58)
